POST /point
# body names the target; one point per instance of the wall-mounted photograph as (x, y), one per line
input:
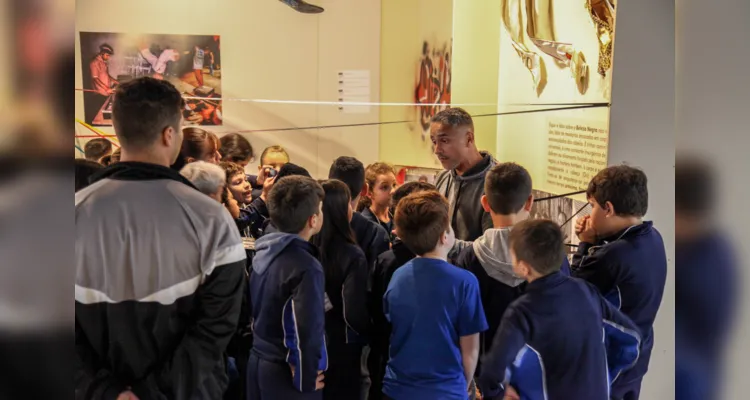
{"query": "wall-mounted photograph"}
(190, 62)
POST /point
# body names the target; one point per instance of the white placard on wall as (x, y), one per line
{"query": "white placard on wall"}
(354, 87)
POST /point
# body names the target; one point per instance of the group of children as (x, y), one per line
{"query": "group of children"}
(505, 315)
(358, 289)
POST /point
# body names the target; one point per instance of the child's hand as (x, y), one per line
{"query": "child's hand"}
(585, 230)
(511, 394)
(319, 384)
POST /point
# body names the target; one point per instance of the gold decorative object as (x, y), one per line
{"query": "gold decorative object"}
(603, 14)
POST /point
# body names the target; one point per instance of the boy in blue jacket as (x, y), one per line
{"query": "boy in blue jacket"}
(433, 307)
(624, 257)
(287, 287)
(508, 199)
(561, 339)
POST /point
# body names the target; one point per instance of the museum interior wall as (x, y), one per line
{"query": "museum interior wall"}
(268, 51)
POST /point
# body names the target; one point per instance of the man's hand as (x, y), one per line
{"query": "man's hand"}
(585, 230)
(511, 394)
(127, 395)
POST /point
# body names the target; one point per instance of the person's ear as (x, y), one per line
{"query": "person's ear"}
(529, 203)
(485, 203)
(167, 136)
(609, 209)
(469, 137)
(524, 268)
(365, 191)
(188, 160)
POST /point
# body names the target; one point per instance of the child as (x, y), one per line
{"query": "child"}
(381, 181)
(197, 145)
(287, 287)
(345, 267)
(386, 264)
(434, 309)
(371, 237)
(624, 257)
(508, 199)
(550, 344)
(271, 160)
(253, 213)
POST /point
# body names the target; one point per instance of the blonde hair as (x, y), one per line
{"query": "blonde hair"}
(372, 172)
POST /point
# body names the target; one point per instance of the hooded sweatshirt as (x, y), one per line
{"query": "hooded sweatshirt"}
(464, 193)
(489, 259)
(287, 287)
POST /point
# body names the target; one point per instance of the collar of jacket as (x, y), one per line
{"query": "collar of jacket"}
(139, 171)
(546, 282)
(634, 230)
(478, 171)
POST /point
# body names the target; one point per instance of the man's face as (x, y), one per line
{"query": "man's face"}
(450, 144)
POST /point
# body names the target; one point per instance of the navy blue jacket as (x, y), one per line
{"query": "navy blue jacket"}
(287, 287)
(560, 340)
(630, 270)
(253, 218)
(496, 295)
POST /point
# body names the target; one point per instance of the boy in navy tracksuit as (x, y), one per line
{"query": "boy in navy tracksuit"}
(508, 199)
(287, 287)
(624, 257)
(433, 307)
(561, 339)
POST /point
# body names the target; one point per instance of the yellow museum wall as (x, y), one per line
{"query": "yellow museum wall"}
(405, 25)
(476, 48)
(269, 51)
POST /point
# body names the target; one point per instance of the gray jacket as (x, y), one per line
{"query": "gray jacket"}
(464, 193)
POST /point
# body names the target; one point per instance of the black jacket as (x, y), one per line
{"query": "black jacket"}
(159, 279)
(367, 213)
(464, 194)
(371, 238)
(348, 322)
(386, 264)
(630, 270)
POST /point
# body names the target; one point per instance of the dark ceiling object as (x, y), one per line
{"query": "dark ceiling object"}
(303, 6)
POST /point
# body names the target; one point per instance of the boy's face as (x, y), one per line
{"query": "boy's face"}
(317, 220)
(241, 189)
(384, 187)
(274, 160)
(600, 217)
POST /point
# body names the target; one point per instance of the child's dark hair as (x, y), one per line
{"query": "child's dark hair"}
(623, 186)
(421, 219)
(273, 150)
(290, 169)
(292, 201)
(350, 171)
(196, 143)
(84, 169)
(231, 170)
(372, 172)
(235, 148)
(336, 230)
(507, 187)
(97, 148)
(409, 188)
(539, 243)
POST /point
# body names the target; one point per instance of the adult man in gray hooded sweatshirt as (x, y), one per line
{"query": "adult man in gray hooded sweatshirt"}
(462, 182)
(507, 200)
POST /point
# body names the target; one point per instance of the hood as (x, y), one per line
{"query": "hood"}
(478, 171)
(138, 171)
(268, 247)
(493, 252)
